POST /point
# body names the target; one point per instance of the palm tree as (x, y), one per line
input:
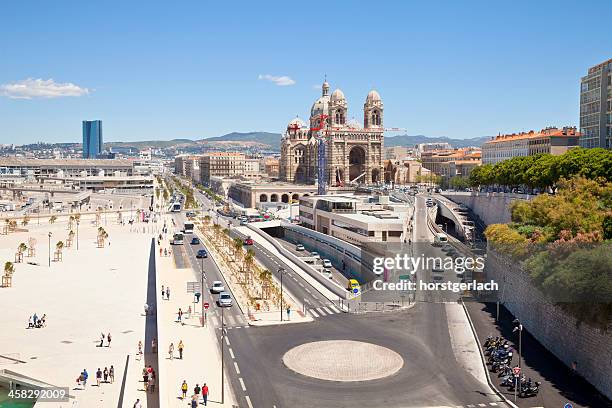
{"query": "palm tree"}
(237, 245)
(52, 219)
(207, 219)
(59, 246)
(13, 225)
(70, 222)
(216, 230)
(26, 220)
(9, 268)
(249, 261)
(22, 248)
(265, 277)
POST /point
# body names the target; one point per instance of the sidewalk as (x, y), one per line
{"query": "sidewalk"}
(201, 361)
(558, 387)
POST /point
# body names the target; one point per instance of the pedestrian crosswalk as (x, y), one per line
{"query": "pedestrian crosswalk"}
(317, 312)
(229, 321)
(482, 405)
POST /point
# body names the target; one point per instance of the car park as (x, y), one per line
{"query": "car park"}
(217, 287)
(202, 253)
(195, 241)
(299, 247)
(224, 300)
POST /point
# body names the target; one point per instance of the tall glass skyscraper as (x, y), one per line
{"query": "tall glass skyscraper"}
(92, 138)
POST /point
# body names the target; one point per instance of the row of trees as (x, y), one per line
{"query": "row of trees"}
(543, 171)
(564, 242)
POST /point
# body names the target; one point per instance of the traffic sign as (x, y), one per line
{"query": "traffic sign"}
(355, 290)
(568, 405)
(206, 305)
(516, 371)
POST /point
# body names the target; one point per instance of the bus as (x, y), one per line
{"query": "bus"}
(177, 239)
(441, 238)
(188, 228)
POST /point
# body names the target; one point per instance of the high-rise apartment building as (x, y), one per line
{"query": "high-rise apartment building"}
(92, 139)
(596, 106)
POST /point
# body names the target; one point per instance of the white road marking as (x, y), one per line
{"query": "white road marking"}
(482, 405)
(493, 404)
(307, 290)
(215, 321)
(227, 341)
(327, 310)
(236, 367)
(242, 384)
(232, 353)
(231, 320)
(248, 400)
(334, 309)
(313, 313)
(321, 311)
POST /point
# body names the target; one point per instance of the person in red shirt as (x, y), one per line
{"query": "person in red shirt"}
(205, 393)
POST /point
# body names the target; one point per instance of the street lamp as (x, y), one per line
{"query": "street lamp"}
(50, 248)
(518, 326)
(281, 272)
(78, 221)
(222, 357)
(202, 277)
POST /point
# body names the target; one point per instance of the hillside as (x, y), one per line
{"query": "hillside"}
(406, 140)
(266, 138)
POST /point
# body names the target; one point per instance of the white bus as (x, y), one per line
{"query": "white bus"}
(177, 239)
(175, 207)
(188, 228)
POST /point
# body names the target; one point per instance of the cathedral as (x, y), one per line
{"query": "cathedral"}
(353, 152)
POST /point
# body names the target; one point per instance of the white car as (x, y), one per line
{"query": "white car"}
(217, 287)
(299, 247)
(224, 299)
(315, 255)
(327, 273)
(327, 263)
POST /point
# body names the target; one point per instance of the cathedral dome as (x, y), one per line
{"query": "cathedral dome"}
(338, 95)
(373, 96)
(296, 123)
(320, 107)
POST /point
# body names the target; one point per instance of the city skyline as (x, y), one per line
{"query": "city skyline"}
(440, 70)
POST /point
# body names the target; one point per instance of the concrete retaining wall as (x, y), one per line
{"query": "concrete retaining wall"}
(492, 208)
(559, 332)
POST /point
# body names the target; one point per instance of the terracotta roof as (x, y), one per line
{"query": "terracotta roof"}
(547, 132)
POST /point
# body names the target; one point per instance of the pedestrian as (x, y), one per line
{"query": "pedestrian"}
(160, 250)
(171, 351)
(168, 293)
(137, 404)
(194, 400)
(288, 312)
(146, 309)
(111, 374)
(197, 389)
(152, 383)
(181, 346)
(205, 393)
(163, 292)
(154, 345)
(102, 337)
(98, 376)
(184, 389)
(180, 315)
(84, 376)
(30, 323)
(140, 348)
(105, 373)
(145, 378)
(108, 339)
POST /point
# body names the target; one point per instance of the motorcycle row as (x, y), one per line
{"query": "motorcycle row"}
(499, 358)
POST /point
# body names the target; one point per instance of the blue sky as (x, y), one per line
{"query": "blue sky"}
(190, 69)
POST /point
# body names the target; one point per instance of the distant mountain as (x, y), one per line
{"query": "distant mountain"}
(151, 143)
(266, 138)
(406, 140)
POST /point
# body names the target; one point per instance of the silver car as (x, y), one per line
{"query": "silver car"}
(224, 299)
(217, 287)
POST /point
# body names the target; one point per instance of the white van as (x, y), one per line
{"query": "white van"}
(440, 238)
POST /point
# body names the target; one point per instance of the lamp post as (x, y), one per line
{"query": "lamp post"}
(50, 248)
(281, 272)
(518, 326)
(222, 357)
(78, 221)
(202, 277)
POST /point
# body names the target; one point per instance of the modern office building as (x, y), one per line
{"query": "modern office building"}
(549, 140)
(92, 139)
(596, 107)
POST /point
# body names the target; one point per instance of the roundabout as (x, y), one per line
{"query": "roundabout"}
(343, 360)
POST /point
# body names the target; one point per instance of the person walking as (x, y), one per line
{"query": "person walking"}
(145, 378)
(288, 312)
(205, 393)
(84, 376)
(108, 339)
(194, 400)
(146, 309)
(180, 316)
(105, 373)
(102, 337)
(184, 389)
(163, 292)
(98, 376)
(137, 404)
(181, 347)
(140, 349)
(197, 389)
(151, 383)
(154, 345)
(111, 374)
(171, 351)
(168, 293)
